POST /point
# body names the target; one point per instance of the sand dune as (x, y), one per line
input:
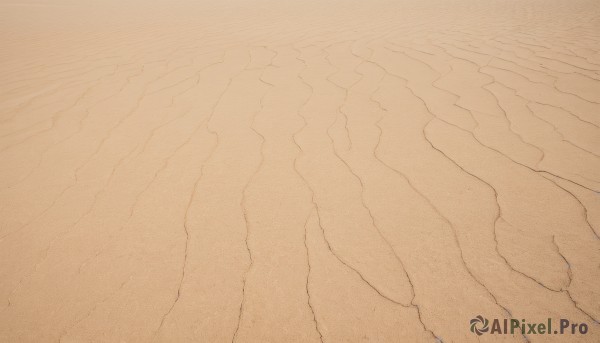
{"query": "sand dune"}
(298, 171)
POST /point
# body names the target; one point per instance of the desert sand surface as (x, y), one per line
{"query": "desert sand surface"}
(298, 171)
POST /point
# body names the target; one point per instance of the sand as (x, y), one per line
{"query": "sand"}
(298, 171)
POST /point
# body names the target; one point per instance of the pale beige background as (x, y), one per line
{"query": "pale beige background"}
(297, 171)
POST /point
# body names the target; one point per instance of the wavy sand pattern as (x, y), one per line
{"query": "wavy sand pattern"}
(297, 171)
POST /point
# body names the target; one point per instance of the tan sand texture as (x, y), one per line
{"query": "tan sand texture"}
(298, 171)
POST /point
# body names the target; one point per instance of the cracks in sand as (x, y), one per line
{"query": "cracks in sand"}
(498, 215)
(75, 177)
(583, 207)
(108, 182)
(62, 234)
(445, 219)
(543, 70)
(121, 120)
(534, 169)
(569, 271)
(244, 207)
(555, 129)
(458, 97)
(166, 161)
(414, 188)
(57, 115)
(186, 230)
(310, 305)
(362, 186)
(485, 87)
(35, 124)
(480, 71)
(498, 207)
(541, 172)
(197, 76)
(315, 206)
(412, 303)
(434, 82)
(28, 104)
(138, 196)
(510, 127)
(65, 331)
(497, 218)
(534, 53)
(55, 90)
(516, 91)
(305, 181)
(42, 155)
(345, 90)
(570, 276)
